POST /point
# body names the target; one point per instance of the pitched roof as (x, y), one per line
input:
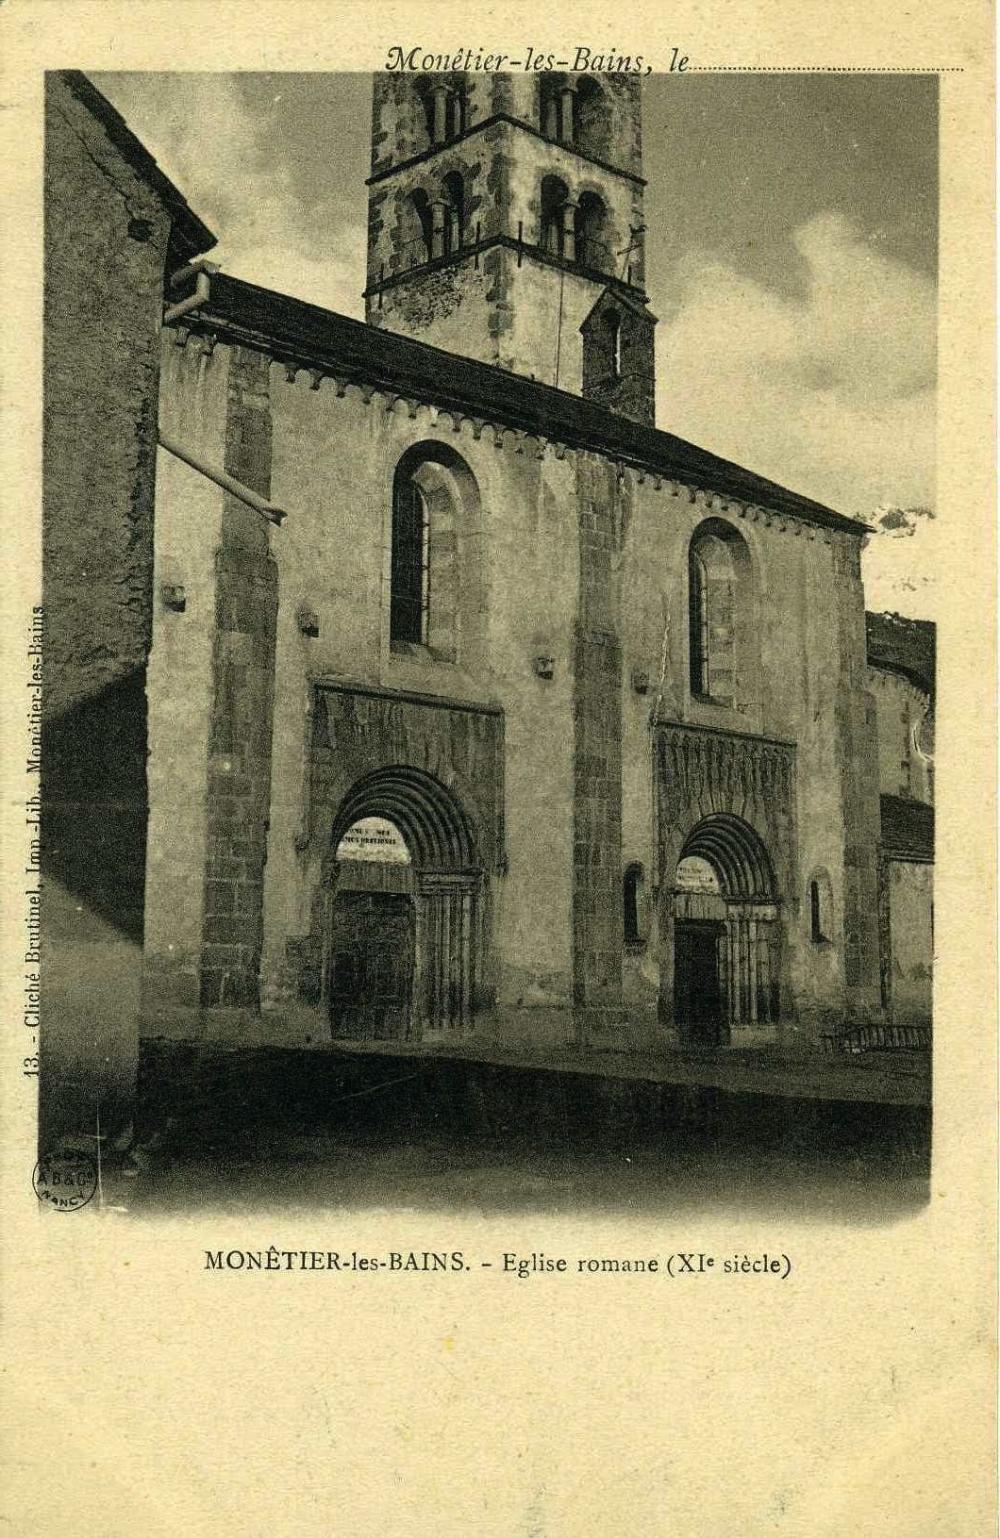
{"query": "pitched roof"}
(907, 646)
(907, 828)
(189, 232)
(614, 298)
(291, 329)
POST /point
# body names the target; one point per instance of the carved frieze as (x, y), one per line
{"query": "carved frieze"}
(703, 773)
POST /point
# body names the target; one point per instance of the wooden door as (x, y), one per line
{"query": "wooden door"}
(371, 965)
(697, 990)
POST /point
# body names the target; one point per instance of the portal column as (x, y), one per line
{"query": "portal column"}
(439, 96)
(566, 96)
(439, 225)
(569, 231)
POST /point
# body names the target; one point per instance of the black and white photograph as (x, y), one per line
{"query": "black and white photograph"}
(499, 838)
(486, 720)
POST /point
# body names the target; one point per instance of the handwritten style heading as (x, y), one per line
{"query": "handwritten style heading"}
(581, 60)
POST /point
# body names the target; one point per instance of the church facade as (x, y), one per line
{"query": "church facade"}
(478, 710)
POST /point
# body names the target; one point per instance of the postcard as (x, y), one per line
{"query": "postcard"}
(500, 805)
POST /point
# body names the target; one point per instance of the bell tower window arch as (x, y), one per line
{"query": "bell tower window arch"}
(590, 221)
(557, 231)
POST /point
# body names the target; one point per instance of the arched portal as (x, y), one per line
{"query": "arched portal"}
(726, 933)
(404, 926)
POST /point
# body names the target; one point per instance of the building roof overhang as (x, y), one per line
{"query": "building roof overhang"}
(190, 235)
(907, 829)
(904, 646)
(292, 331)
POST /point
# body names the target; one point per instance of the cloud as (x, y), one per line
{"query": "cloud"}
(831, 394)
(230, 169)
(899, 522)
(901, 561)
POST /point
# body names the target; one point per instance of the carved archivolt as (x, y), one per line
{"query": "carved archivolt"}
(704, 774)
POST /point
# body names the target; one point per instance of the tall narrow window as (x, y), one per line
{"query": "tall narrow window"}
(820, 908)
(698, 620)
(417, 232)
(594, 131)
(555, 195)
(435, 607)
(410, 591)
(548, 106)
(719, 637)
(454, 192)
(632, 893)
(592, 247)
(457, 111)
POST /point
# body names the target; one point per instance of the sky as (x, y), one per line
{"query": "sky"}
(791, 260)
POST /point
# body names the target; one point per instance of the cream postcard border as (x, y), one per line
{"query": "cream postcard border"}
(149, 1396)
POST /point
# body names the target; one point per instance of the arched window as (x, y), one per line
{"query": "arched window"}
(458, 109)
(594, 126)
(820, 908)
(557, 107)
(633, 905)
(418, 226)
(444, 106)
(816, 919)
(592, 247)
(424, 91)
(718, 615)
(454, 192)
(698, 621)
(437, 592)
(555, 196)
(410, 588)
(549, 104)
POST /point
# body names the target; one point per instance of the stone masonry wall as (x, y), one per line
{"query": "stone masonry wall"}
(597, 781)
(106, 239)
(239, 785)
(857, 756)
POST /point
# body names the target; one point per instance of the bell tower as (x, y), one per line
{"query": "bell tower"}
(505, 223)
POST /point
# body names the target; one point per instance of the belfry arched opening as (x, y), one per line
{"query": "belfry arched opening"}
(404, 931)
(726, 933)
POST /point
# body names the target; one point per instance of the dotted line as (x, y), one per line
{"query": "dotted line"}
(821, 69)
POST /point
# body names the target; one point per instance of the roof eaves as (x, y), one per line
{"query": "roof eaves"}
(194, 235)
(289, 327)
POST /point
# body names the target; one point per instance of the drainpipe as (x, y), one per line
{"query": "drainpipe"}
(227, 482)
(202, 270)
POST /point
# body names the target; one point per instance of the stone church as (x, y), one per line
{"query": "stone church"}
(405, 683)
